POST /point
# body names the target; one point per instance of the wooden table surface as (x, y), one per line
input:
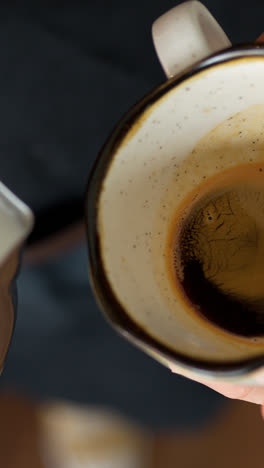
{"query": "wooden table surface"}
(234, 439)
(19, 433)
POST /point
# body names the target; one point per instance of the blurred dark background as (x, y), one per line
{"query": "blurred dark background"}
(68, 73)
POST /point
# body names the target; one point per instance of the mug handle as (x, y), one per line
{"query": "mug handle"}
(185, 35)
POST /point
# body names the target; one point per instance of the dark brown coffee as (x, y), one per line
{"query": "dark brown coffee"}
(216, 250)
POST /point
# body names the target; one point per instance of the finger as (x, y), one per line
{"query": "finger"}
(260, 39)
(239, 392)
(252, 394)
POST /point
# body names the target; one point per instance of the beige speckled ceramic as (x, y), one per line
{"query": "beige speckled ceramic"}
(16, 222)
(181, 133)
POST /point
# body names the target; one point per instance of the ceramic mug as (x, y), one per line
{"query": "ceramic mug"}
(16, 224)
(207, 117)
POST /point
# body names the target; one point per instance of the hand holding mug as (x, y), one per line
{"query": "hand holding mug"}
(180, 178)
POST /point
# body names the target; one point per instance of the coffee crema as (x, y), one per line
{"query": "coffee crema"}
(216, 250)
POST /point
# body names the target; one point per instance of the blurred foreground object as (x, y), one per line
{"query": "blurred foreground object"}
(82, 437)
(66, 435)
(16, 221)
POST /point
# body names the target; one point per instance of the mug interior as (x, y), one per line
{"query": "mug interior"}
(151, 169)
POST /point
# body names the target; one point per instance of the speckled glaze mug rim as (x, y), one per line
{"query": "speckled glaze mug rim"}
(109, 304)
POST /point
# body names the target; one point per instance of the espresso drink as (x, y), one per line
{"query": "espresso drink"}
(217, 257)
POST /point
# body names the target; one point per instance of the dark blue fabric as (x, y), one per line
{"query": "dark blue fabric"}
(69, 73)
